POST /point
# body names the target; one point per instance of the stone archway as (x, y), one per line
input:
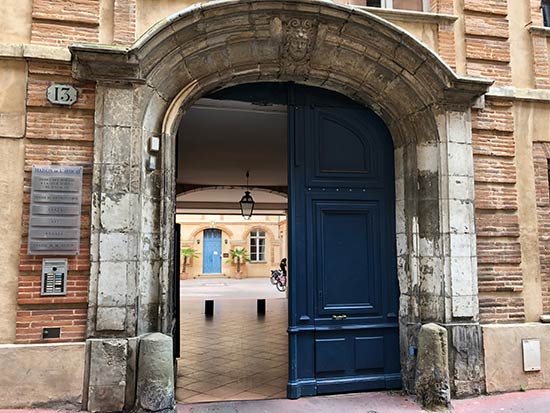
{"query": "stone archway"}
(142, 93)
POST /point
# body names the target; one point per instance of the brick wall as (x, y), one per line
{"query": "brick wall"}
(124, 22)
(62, 22)
(30, 324)
(499, 253)
(486, 36)
(64, 136)
(442, 6)
(541, 157)
(536, 15)
(541, 55)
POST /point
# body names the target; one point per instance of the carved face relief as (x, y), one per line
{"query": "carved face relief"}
(300, 35)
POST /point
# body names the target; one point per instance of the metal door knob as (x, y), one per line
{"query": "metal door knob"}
(339, 317)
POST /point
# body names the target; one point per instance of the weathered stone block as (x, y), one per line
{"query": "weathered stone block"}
(467, 370)
(461, 159)
(111, 318)
(155, 375)
(432, 368)
(107, 374)
(117, 211)
(461, 216)
(118, 106)
(115, 178)
(116, 145)
(113, 246)
(112, 284)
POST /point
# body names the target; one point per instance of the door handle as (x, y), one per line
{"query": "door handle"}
(339, 317)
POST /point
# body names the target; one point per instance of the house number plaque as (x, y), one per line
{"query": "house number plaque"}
(54, 227)
(62, 94)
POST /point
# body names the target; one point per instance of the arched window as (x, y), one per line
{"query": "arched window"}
(257, 246)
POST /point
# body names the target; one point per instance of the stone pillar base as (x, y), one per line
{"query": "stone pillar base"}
(113, 366)
(432, 377)
(466, 362)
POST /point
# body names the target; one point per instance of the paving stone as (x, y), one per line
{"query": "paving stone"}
(235, 355)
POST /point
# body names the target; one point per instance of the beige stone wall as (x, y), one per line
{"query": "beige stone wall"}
(504, 357)
(235, 234)
(42, 375)
(532, 118)
(15, 21)
(11, 193)
(150, 12)
(13, 78)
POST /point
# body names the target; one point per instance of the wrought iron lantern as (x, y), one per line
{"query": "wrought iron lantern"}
(246, 202)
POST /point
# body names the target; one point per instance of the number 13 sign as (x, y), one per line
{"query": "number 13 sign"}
(62, 94)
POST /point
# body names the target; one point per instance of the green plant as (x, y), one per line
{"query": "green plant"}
(238, 255)
(187, 253)
(523, 387)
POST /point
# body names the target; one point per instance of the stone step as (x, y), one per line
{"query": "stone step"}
(212, 276)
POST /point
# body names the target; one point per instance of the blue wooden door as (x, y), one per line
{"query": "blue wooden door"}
(343, 294)
(212, 251)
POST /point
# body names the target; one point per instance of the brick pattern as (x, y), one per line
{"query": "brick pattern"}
(541, 157)
(442, 6)
(486, 37)
(62, 22)
(124, 22)
(30, 325)
(446, 44)
(541, 56)
(536, 14)
(63, 136)
(499, 252)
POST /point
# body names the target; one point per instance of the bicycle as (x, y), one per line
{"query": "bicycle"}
(278, 277)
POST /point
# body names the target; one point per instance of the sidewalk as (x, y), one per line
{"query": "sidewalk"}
(534, 401)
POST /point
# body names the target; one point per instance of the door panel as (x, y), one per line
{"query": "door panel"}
(342, 242)
(212, 251)
(348, 258)
(331, 354)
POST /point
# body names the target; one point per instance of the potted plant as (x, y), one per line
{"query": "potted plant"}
(238, 256)
(187, 253)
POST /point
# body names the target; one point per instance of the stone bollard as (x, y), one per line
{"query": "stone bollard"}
(155, 374)
(432, 368)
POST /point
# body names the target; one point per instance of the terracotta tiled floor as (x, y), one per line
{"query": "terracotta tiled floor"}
(236, 354)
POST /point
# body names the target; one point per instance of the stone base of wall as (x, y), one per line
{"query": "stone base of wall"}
(42, 375)
(504, 357)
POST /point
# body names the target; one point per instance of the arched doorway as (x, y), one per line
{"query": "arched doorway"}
(344, 298)
(142, 93)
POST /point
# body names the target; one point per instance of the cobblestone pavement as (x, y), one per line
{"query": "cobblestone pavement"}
(236, 354)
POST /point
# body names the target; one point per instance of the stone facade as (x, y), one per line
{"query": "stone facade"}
(235, 232)
(471, 172)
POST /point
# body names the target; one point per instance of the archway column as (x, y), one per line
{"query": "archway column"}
(466, 363)
(125, 286)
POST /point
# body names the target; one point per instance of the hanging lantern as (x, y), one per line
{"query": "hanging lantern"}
(246, 202)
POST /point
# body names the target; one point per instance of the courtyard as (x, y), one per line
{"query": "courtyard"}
(237, 354)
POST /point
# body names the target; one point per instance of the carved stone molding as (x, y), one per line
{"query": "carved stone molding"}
(299, 41)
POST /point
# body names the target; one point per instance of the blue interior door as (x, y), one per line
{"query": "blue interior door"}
(343, 294)
(212, 251)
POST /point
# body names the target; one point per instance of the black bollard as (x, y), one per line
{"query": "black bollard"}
(209, 308)
(260, 306)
